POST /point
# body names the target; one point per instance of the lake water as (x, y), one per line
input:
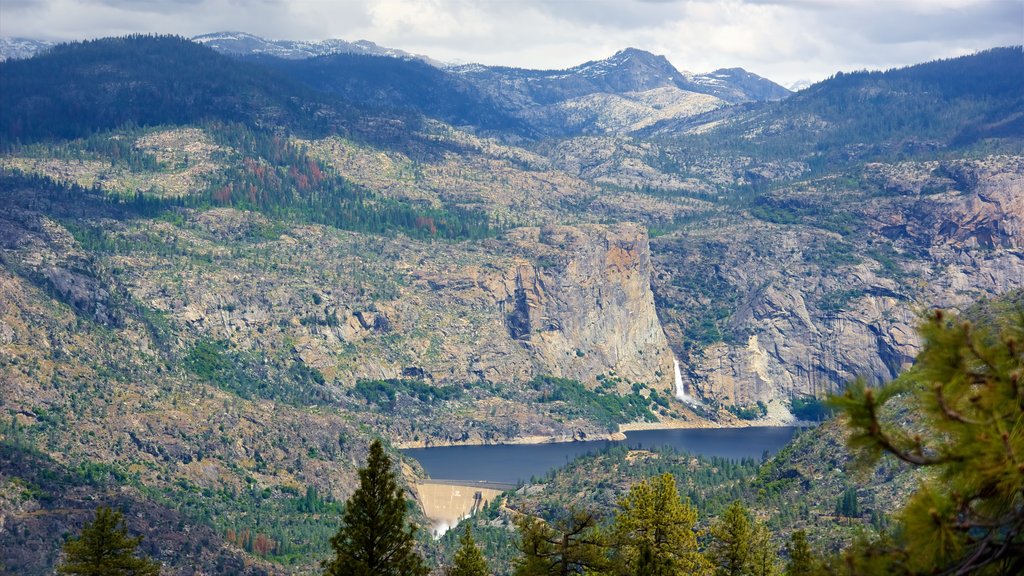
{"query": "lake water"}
(519, 462)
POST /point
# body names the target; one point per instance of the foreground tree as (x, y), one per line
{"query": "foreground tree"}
(573, 546)
(104, 548)
(764, 558)
(654, 531)
(968, 389)
(374, 538)
(801, 560)
(731, 537)
(468, 561)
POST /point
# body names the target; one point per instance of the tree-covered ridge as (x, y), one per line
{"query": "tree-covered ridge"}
(76, 89)
(921, 109)
(264, 171)
(401, 86)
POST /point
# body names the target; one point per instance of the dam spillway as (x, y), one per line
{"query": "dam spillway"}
(446, 502)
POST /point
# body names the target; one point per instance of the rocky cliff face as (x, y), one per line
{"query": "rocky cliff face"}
(563, 301)
(807, 310)
(589, 308)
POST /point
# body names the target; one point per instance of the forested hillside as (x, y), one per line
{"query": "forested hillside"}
(222, 277)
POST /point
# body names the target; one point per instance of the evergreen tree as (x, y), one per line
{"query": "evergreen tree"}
(763, 559)
(801, 560)
(654, 531)
(966, 387)
(468, 561)
(732, 535)
(573, 546)
(847, 505)
(105, 549)
(374, 539)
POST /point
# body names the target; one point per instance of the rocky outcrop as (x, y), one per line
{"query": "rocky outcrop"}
(799, 310)
(589, 308)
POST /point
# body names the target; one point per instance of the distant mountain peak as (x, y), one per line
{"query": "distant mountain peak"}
(246, 44)
(20, 48)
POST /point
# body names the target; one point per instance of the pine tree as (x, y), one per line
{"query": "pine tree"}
(468, 561)
(105, 549)
(847, 505)
(730, 547)
(374, 539)
(801, 560)
(573, 546)
(967, 391)
(654, 531)
(763, 559)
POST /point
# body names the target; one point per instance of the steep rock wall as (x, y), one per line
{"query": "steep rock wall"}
(803, 310)
(590, 308)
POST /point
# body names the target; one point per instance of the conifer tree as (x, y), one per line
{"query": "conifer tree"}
(468, 561)
(104, 548)
(730, 546)
(654, 531)
(573, 546)
(801, 560)
(764, 558)
(374, 538)
(967, 388)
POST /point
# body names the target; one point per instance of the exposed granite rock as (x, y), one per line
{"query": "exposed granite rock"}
(591, 309)
(807, 310)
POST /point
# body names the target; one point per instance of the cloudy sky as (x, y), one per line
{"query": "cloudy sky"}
(785, 40)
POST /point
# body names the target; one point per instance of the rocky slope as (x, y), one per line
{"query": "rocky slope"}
(801, 309)
(628, 91)
(186, 323)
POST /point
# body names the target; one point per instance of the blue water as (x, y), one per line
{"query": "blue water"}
(521, 462)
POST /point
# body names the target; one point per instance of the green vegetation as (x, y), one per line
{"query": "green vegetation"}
(967, 517)
(375, 538)
(758, 410)
(104, 548)
(468, 561)
(571, 545)
(801, 561)
(654, 531)
(839, 300)
(714, 300)
(740, 545)
(383, 393)
(608, 408)
(809, 408)
(245, 373)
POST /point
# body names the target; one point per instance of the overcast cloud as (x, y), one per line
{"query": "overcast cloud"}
(785, 40)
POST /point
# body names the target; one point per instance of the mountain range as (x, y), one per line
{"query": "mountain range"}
(627, 91)
(222, 274)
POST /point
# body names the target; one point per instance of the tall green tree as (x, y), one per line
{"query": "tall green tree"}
(574, 545)
(847, 504)
(731, 541)
(654, 531)
(764, 558)
(468, 561)
(375, 539)
(104, 548)
(801, 560)
(967, 390)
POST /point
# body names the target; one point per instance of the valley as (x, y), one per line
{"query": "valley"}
(226, 267)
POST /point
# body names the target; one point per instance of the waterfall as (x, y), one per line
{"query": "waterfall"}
(680, 388)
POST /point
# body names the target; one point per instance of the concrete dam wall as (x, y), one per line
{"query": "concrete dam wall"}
(445, 502)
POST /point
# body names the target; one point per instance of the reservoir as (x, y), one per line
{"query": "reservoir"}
(514, 463)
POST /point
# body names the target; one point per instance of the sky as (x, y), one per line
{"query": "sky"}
(784, 40)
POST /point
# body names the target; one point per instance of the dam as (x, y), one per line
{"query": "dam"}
(445, 502)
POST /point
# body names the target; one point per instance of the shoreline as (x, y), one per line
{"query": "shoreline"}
(618, 436)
